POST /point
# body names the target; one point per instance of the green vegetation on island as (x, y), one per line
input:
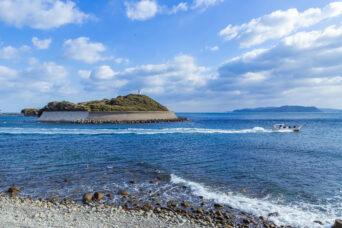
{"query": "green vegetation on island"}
(131, 102)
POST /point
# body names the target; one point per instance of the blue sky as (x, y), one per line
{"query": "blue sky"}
(192, 56)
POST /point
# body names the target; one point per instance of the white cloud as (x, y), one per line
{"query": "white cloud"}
(121, 60)
(178, 76)
(85, 74)
(44, 78)
(279, 24)
(141, 10)
(303, 69)
(83, 50)
(103, 73)
(182, 6)
(205, 3)
(214, 48)
(40, 14)
(41, 44)
(8, 52)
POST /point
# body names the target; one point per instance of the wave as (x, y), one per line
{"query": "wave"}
(300, 215)
(138, 131)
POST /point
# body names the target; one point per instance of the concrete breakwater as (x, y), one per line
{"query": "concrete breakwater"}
(109, 117)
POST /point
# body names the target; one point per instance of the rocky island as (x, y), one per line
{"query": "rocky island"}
(132, 108)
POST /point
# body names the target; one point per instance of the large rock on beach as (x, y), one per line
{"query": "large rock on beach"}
(98, 196)
(87, 197)
(13, 190)
(123, 192)
(148, 207)
(338, 223)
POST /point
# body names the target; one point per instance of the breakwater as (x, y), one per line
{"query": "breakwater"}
(82, 117)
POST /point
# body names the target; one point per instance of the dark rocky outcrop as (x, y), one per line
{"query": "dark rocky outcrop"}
(30, 112)
(338, 223)
(13, 190)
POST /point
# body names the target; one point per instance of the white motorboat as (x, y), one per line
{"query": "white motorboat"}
(284, 128)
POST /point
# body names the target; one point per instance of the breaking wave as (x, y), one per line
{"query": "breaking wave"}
(301, 215)
(138, 131)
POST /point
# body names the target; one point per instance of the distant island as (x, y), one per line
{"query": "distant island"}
(132, 108)
(286, 108)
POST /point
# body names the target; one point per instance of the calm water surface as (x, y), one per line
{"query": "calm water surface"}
(215, 155)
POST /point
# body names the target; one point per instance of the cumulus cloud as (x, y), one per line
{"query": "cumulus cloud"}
(303, 68)
(40, 14)
(8, 52)
(141, 10)
(41, 44)
(181, 75)
(83, 50)
(279, 24)
(40, 78)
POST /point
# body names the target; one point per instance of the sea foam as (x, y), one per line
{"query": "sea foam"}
(301, 215)
(138, 131)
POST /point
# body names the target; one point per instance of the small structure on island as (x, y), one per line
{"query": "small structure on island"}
(133, 108)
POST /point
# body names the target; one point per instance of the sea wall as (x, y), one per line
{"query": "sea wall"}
(63, 116)
(109, 117)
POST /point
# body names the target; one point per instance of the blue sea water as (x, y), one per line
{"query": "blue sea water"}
(297, 175)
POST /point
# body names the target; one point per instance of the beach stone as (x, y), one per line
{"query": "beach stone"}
(98, 196)
(110, 195)
(262, 218)
(153, 182)
(185, 204)
(13, 190)
(123, 192)
(217, 205)
(273, 214)
(318, 222)
(338, 223)
(219, 213)
(147, 207)
(87, 197)
(171, 203)
(199, 210)
(243, 190)
(132, 182)
(0, 179)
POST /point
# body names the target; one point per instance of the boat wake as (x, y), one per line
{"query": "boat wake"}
(301, 215)
(138, 131)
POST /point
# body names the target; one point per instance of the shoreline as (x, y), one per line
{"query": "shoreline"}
(133, 212)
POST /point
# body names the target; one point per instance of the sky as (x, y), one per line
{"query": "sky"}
(190, 55)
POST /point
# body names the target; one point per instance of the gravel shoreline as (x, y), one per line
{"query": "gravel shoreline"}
(24, 212)
(18, 212)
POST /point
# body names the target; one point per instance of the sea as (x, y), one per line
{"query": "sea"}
(230, 158)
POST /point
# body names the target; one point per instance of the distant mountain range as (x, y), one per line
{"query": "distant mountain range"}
(287, 108)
